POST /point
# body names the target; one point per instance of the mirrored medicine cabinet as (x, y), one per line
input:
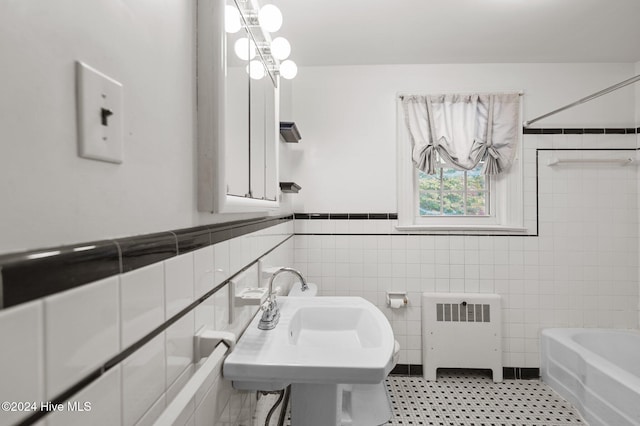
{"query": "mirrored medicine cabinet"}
(237, 113)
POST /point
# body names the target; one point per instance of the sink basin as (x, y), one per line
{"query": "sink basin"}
(333, 327)
(318, 340)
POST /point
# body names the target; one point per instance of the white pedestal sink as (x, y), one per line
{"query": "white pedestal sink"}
(319, 345)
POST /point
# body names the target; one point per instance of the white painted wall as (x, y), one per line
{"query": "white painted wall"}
(347, 115)
(48, 195)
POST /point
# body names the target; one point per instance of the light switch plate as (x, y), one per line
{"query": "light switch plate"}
(100, 115)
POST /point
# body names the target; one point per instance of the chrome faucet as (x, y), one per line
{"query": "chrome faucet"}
(271, 313)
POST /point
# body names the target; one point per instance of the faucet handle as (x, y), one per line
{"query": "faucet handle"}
(270, 303)
(266, 305)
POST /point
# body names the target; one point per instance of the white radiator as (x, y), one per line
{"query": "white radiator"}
(461, 330)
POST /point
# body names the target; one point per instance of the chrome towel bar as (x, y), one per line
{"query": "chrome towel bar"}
(561, 161)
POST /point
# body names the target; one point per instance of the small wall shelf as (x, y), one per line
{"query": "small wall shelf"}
(289, 132)
(290, 187)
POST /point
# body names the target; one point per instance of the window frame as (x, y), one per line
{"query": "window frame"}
(506, 193)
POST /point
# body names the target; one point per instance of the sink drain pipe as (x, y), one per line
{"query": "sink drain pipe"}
(285, 404)
(283, 395)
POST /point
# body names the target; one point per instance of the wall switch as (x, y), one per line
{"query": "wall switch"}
(100, 117)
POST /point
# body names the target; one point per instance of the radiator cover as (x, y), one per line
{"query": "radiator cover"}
(461, 330)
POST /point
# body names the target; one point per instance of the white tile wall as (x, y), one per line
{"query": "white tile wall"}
(205, 314)
(82, 332)
(143, 381)
(178, 283)
(86, 326)
(221, 309)
(221, 255)
(203, 270)
(22, 369)
(105, 399)
(205, 280)
(581, 271)
(179, 347)
(142, 306)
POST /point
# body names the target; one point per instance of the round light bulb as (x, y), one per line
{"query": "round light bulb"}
(232, 22)
(256, 70)
(288, 69)
(245, 48)
(270, 18)
(280, 48)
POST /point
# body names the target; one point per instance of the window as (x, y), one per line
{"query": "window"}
(452, 192)
(453, 199)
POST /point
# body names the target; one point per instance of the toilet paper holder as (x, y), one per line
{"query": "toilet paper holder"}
(395, 296)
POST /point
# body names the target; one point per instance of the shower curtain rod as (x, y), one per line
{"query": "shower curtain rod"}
(401, 95)
(583, 100)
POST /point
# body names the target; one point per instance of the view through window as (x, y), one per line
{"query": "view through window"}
(452, 192)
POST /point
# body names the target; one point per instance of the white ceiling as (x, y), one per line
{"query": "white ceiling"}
(353, 32)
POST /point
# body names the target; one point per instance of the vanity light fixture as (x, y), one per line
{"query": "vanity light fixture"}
(288, 69)
(232, 22)
(245, 48)
(270, 18)
(274, 52)
(280, 48)
(256, 69)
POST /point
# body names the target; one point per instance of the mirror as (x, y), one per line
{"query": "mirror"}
(258, 132)
(263, 134)
(272, 130)
(237, 118)
(237, 112)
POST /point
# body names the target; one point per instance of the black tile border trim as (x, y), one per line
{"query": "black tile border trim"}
(144, 250)
(443, 233)
(346, 216)
(514, 373)
(193, 239)
(520, 373)
(117, 359)
(30, 275)
(392, 216)
(406, 370)
(581, 131)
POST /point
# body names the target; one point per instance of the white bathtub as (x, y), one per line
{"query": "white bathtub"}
(597, 370)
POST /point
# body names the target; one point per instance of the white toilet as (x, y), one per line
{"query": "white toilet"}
(362, 405)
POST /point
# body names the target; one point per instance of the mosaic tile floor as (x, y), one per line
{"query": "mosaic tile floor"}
(469, 397)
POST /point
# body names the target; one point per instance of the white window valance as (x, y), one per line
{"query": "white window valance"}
(463, 129)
